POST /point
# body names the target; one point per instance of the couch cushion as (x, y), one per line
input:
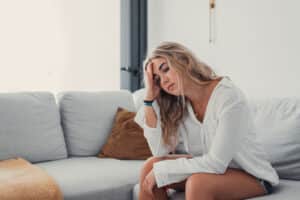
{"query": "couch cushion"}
(92, 178)
(30, 127)
(278, 126)
(126, 140)
(287, 189)
(87, 118)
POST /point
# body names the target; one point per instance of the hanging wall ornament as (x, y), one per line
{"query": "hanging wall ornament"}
(212, 6)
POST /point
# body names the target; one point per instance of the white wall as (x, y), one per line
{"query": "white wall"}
(257, 41)
(58, 45)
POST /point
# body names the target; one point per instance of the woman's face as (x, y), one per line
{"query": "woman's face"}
(166, 77)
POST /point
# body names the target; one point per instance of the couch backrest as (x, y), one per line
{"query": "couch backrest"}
(87, 118)
(30, 127)
(278, 126)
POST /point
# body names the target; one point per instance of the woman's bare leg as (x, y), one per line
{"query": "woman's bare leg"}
(233, 184)
(159, 193)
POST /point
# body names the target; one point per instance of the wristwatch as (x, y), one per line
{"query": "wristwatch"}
(148, 102)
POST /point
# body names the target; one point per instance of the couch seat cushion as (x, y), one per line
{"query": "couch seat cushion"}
(92, 178)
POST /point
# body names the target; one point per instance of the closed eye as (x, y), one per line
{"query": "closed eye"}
(165, 69)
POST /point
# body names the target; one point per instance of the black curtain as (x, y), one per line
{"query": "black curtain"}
(133, 43)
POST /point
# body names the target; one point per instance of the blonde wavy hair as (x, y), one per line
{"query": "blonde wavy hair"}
(173, 108)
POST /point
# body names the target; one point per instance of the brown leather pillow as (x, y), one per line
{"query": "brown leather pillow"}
(126, 140)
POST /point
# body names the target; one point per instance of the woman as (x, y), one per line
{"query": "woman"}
(205, 123)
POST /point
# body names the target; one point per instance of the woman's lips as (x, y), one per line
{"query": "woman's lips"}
(170, 87)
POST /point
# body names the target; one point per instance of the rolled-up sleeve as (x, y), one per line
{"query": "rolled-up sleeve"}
(233, 122)
(152, 135)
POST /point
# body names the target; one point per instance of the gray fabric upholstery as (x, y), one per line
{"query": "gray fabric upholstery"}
(87, 118)
(92, 178)
(278, 127)
(287, 189)
(30, 127)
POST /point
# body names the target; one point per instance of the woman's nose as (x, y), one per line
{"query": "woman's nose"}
(164, 80)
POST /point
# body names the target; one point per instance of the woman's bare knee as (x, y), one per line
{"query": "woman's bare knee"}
(158, 193)
(148, 165)
(150, 161)
(198, 186)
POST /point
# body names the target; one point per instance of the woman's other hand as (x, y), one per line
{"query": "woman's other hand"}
(149, 183)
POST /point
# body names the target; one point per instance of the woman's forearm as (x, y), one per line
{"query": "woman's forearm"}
(150, 116)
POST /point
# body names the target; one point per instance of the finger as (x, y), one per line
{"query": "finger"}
(148, 80)
(151, 190)
(149, 75)
(148, 65)
(148, 187)
(147, 68)
(145, 185)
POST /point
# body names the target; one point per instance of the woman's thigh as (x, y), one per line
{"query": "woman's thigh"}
(233, 184)
(180, 186)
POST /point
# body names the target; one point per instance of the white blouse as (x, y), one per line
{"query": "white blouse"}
(226, 138)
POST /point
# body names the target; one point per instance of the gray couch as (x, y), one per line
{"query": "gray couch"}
(64, 138)
(63, 135)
